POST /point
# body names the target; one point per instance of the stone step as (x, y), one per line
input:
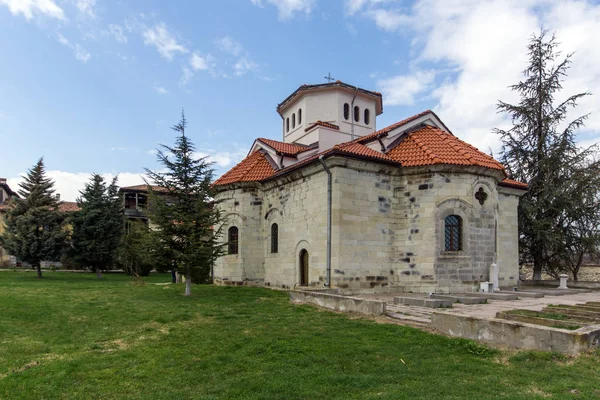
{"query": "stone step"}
(423, 302)
(466, 299)
(523, 294)
(415, 311)
(419, 321)
(495, 296)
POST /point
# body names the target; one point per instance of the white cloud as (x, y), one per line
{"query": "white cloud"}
(402, 89)
(228, 45)
(288, 8)
(477, 49)
(63, 40)
(389, 20)
(244, 65)
(160, 90)
(222, 159)
(165, 43)
(197, 63)
(86, 7)
(31, 8)
(116, 31)
(69, 184)
(81, 54)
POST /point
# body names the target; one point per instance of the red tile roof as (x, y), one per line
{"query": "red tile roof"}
(388, 129)
(426, 145)
(253, 168)
(433, 146)
(338, 83)
(284, 148)
(324, 124)
(143, 188)
(68, 206)
(514, 184)
(64, 206)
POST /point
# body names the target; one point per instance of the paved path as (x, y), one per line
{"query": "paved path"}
(489, 310)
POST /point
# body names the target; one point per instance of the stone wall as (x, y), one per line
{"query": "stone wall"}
(387, 228)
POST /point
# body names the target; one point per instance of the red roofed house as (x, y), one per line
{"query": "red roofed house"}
(6, 193)
(339, 203)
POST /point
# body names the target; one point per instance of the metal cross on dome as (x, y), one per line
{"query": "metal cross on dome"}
(329, 78)
(481, 195)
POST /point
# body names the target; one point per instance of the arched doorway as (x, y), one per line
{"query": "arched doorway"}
(303, 267)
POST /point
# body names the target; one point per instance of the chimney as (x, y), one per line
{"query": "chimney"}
(57, 195)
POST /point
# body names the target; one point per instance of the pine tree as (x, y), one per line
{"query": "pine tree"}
(185, 214)
(34, 225)
(98, 225)
(540, 149)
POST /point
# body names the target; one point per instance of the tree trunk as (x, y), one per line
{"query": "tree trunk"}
(99, 273)
(188, 284)
(577, 266)
(38, 268)
(537, 267)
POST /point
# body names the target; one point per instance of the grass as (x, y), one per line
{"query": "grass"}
(70, 336)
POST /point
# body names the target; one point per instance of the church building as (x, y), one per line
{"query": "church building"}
(339, 203)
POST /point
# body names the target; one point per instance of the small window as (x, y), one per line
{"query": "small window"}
(367, 116)
(287, 125)
(274, 238)
(232, 238)
(293, 121)
(299, 116)
(356, 114)
(346, 111)
(453, 233)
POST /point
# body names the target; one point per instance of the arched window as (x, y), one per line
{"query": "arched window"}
(346, 111)
(233, 240)
(356, 114)
(299, 116)
(293, 121)
(367, 116)
(274, 238)
(287, 124)
(453, 233)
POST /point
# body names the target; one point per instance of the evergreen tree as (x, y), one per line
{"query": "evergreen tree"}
(540, 149)
(98, 225)
(138, 249)
(185, 214)
(35, 229)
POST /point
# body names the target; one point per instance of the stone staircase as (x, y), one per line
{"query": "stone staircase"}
(416, 316)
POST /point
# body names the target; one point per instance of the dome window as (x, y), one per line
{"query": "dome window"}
(356, 113)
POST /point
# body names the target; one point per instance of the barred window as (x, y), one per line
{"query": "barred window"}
(287, 124)
(367, 118)
(232, 236)
(293, 121)
(346, 111)
(356, 113)
(299, 116)
(274, 238)
(453, 233)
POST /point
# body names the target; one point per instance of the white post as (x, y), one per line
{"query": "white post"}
(563, 281)
(494, 277)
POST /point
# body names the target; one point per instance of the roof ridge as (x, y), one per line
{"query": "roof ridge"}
(450, 142)
(423, 147)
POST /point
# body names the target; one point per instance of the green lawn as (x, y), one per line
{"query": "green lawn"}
(70, 336)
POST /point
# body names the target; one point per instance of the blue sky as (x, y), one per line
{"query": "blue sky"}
(93, 86)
